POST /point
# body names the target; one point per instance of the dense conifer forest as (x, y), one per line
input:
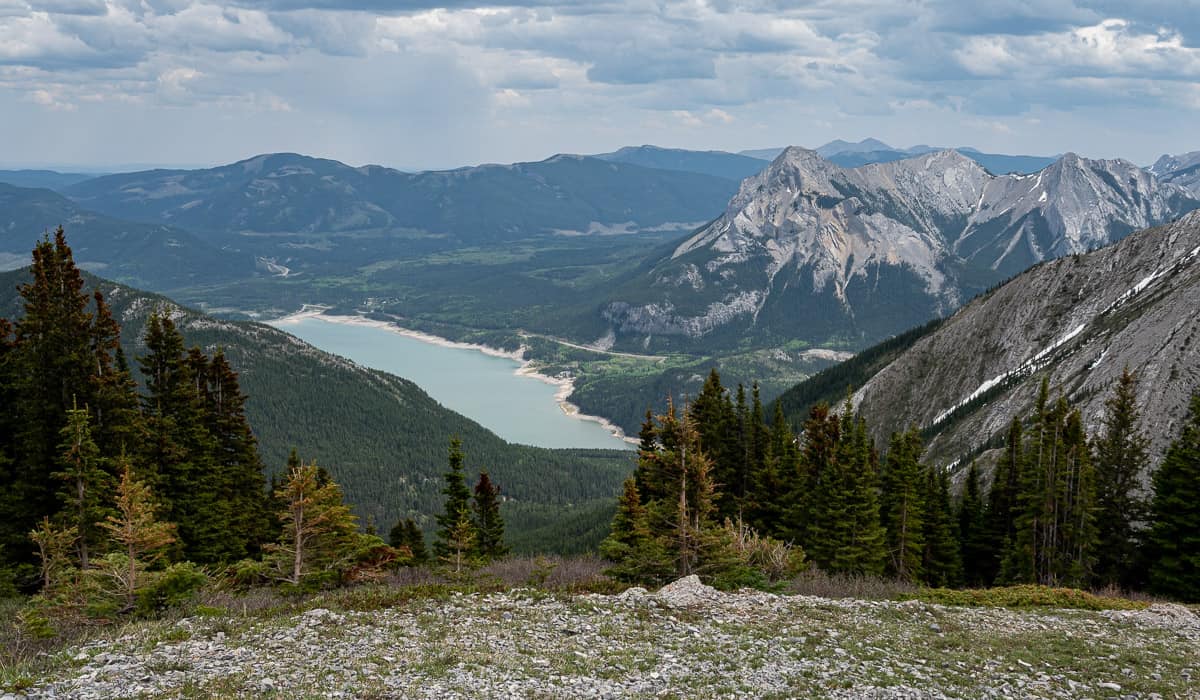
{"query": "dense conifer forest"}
(717, 488)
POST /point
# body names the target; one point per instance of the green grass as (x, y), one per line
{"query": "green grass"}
(1024, 597)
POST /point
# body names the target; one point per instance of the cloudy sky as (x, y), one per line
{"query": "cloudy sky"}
(416, 84)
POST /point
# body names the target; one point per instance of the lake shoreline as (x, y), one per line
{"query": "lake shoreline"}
(565, 385)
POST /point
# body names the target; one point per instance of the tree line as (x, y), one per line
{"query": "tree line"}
(1064, 508)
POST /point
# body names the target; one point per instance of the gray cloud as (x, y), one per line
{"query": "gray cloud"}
(514, 77)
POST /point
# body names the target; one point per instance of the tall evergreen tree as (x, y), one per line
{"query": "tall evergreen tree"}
(1174, 537)
(902, 504)
(1002, 508)
(859, 537)
(974, 549)
(1055, 526)
(53, 368)
(86, 488)
(489, 524)
(941, 563)
(239, 470)
(457, 506)
(816, 501)
(1120, 457)
(113, 392)
(179, 447)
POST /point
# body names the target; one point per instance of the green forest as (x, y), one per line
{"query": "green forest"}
(721, 492)
(127, 484)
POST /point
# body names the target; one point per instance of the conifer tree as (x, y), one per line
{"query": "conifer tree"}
(85, 487)
(1055, 526)
(941, 563)
(406, 534)
(1120, 457)
(52, 366)
(319, 530)
(457, 505)
(637, 555)
(1002, 508)
(1174, 537)
(858, 538)
(818, 500)
(137, 533)
(114, 393)
(768, 500)
(974, 549)
(902, 504)
(489, 524)
(178, 445)
(238, 469)
(460, 545)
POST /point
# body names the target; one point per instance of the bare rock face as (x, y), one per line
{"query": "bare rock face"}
(1182, 170)
(1078, 321)
(810, 250)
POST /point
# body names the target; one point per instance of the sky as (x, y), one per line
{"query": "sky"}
(114, 84)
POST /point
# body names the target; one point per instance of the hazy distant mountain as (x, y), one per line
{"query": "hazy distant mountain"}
(151, 255)
(867, 145)
(767, 154)
(812, 251)
(867, 151)
(49, 179)
(1182, 170)
(717, 163)
(294, 194)
(1077, 321)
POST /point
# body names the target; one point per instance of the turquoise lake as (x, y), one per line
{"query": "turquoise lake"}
(485, 388)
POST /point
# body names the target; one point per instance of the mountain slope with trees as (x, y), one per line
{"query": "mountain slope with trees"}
(1080, 321)
(379, 435)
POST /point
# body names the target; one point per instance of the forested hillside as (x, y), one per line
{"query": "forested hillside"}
(380, 436)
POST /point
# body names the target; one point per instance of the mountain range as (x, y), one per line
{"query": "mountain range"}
(845, 257)
(1077, 321)
(293, 194)
(1182, 170)
(852, 155)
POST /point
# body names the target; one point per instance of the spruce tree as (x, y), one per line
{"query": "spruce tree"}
(85, 487)
(858, 539)
(902, 503)
(239, 477)
(1174, 537)
(637, 555)
(407, 535)
(1120, 457)
(52, 367)
(457, 505)
(178, 445)
(974, 549)
(941, 563)
(136, 532)
(318, 535)
(489, 524)
(1002, 508)
(819, 500)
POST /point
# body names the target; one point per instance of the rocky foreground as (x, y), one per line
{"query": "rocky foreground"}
(686, 641)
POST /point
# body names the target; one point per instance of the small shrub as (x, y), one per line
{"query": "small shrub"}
(1026, 596)
(176, 585)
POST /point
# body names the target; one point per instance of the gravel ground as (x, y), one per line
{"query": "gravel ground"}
(686, 641)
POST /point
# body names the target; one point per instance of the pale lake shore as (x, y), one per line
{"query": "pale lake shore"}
(526, 367)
